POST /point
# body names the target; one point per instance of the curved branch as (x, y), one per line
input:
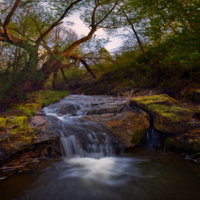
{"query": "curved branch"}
(136, 35)
(22, 34)
(108, 13)
(80, 41)
(68, 65)
(8, 18)
(90, 34)
(65, 78)
(83, 61)
(56, 23)
(93, 14)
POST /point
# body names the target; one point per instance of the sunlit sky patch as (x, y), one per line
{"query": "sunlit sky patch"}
(81, 29)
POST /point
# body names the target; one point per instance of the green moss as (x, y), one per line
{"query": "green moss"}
(187, 145)
(163, 99)
(20, 121)
(122, 84)
(136, 137)
(17, 139)
(47, 97)
(167, 143)
(3, 121)
(168, 116)
(41, 99)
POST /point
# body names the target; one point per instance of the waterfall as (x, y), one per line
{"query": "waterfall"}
(70, 147)
(152, 139)
(79, 138)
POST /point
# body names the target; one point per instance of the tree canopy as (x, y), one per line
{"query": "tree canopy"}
(37, 40)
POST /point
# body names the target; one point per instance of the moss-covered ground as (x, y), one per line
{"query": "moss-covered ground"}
(15, 134)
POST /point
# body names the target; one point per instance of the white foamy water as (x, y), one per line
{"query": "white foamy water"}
(113, 171)
(79, 137)
(87, 150)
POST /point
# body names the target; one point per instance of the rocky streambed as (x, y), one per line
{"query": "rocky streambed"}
(96, 126)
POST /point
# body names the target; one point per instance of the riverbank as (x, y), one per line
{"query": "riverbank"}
(127, 119)
(24, 136)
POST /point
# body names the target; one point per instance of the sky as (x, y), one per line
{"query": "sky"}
(81, 29)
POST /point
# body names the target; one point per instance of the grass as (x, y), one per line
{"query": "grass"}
(37, 101)
(47, 97)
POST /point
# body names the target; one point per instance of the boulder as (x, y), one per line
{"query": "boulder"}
(168, 114)
(187, 142)
(16, 134)
(129, 127)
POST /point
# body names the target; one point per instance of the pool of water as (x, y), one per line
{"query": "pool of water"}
(138, 174)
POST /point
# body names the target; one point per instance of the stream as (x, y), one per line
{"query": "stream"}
(91, 169)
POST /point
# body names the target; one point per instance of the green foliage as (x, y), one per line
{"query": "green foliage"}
(28, 111)
(47, 97)
(3, 121)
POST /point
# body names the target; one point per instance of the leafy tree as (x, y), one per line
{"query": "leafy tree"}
(33, 76)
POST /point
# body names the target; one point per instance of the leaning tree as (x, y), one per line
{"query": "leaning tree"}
(34, 74)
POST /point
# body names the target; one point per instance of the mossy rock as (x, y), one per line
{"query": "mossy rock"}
(20, 121)
(3, 121)
(169, 116)
(14, 135)
(137, 136)
(192, 145)
(28, 109)
(33, 105)
(16, 139)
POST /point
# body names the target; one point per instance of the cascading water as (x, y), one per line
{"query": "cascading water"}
(87, 147)
(91, 170)
(78, 137)
(153, 139)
